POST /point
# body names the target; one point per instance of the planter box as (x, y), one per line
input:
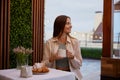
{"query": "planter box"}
(110, 67)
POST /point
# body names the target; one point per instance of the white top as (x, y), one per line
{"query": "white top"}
(53, 74)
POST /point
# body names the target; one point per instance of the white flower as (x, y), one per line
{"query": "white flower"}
(22, 50)
(28, 51)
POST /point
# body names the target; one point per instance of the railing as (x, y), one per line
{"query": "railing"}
(95, 44)
(92, 44)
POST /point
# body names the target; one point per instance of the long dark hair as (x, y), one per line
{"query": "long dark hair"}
(59, 25)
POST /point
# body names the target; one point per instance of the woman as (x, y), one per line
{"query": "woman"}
(63, 51)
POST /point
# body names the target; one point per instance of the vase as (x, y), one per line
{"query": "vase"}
(22, 60)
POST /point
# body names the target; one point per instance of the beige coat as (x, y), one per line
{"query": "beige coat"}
(72, 45)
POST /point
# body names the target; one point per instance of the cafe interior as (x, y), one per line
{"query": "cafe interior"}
(110, 67)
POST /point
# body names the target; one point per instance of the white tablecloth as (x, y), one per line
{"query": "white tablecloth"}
(53, 74)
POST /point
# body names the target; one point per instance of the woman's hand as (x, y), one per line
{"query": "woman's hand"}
(69, 55)
(52, 59)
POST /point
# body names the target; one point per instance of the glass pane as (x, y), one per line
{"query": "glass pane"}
(86, 16)
(116, 38)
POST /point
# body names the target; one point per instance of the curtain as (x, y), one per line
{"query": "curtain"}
(38, 29)
(4, 33)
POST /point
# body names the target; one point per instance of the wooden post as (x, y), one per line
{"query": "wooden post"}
(38, 29)
(109, 65)
(108, 28)
(4, 33)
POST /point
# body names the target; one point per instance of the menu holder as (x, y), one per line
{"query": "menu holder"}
(26, 71)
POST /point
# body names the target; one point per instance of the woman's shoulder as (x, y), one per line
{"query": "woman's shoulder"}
(74, 39)
(51, 40)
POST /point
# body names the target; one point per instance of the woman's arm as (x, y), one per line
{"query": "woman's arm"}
(76, 62)
(46, 54)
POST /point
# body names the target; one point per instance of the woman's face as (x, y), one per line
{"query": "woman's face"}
(68, 26)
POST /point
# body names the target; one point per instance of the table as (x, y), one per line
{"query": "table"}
(53, 74)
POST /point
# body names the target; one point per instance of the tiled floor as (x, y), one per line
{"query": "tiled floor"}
(91, 69)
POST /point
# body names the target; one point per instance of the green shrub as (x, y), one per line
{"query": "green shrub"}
(94, 53)
(20, 27)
